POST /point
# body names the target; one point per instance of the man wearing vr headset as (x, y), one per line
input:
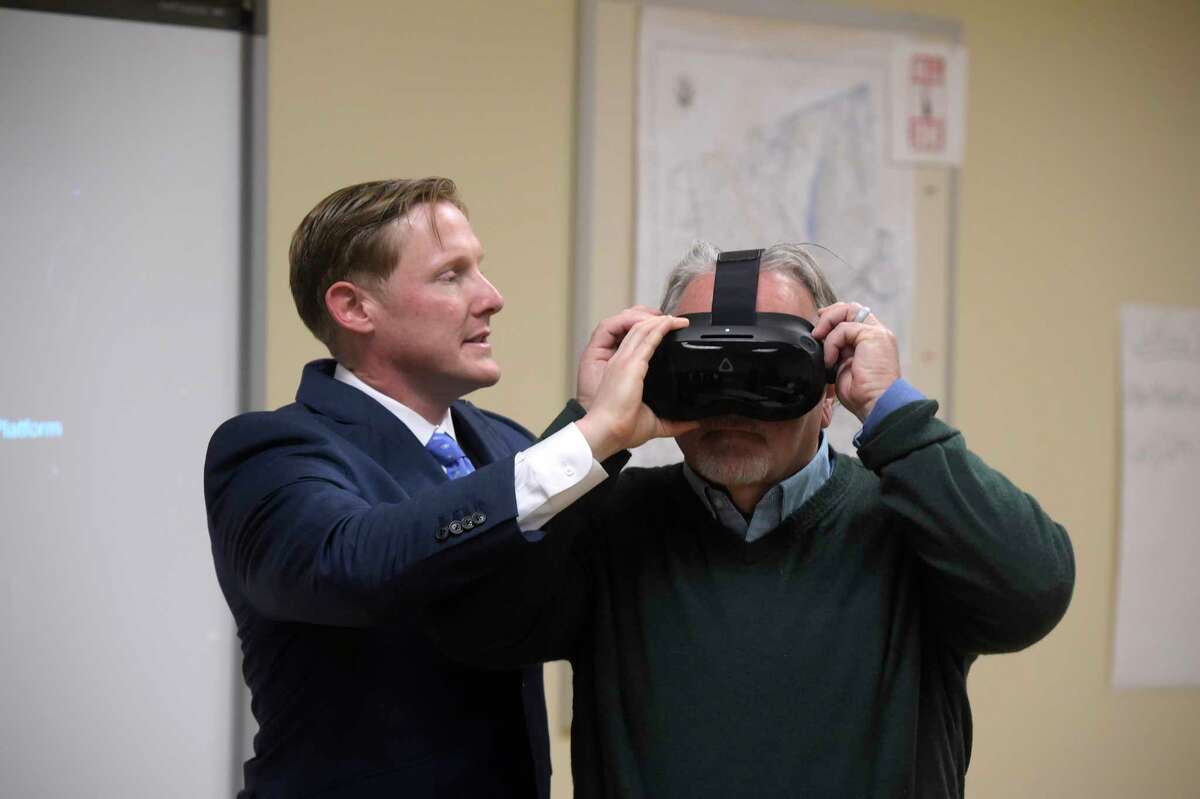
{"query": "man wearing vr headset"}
(772, 618)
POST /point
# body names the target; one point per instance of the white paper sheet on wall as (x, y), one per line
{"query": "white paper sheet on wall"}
(1157, 637)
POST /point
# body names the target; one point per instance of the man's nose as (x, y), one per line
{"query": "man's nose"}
(490, 299)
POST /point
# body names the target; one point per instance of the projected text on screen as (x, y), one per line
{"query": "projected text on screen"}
(30, 428)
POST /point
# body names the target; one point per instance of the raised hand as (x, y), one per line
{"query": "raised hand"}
(617, 418)
(605, 340)
(865, 352)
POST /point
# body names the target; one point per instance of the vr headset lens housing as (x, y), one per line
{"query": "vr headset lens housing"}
(736, 360)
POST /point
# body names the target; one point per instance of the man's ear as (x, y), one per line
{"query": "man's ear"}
(827, 405)
(350, 307)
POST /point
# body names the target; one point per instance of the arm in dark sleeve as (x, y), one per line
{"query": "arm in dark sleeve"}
(999, 571)
(292, 532)
(534, 606)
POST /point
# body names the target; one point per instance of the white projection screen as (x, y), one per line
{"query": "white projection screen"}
(121, 252)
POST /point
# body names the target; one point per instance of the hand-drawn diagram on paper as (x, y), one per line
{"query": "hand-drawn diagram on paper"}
(753, 132)
(1157, 626)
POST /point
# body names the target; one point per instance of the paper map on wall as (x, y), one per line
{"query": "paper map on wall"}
(753, 132)
(1157, 638)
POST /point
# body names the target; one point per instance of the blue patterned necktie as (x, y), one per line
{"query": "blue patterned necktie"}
(447, 452)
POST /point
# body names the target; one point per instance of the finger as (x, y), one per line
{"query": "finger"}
(842, 368)
(633, 356)
(655, 331)
(637, 313)
(609, 332)
(631, 339)
(828, 318)
(637, 332)
(676, 427)
(619, 325)
(831, 316)
(648, 333)
(841, 341)
(863, 315)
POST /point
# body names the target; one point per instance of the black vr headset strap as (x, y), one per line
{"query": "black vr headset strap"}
(735, 291)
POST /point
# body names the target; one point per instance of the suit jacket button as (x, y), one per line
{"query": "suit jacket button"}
(479, 519)
(468, 522)
(442, 534)
(455, 528)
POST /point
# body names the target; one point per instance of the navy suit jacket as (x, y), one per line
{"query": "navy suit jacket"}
(330, 524)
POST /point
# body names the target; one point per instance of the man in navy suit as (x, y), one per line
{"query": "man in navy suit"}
(379, 489)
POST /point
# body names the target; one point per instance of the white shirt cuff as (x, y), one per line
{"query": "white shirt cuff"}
(552, 474)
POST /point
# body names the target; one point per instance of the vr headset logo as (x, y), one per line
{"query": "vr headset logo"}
(735, 360)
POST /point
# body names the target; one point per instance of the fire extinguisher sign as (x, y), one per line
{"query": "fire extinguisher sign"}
(928, 102)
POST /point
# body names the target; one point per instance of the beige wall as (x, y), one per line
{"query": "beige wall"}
(1079, 193)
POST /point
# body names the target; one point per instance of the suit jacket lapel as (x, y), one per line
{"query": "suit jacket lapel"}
(369, 425)
(396, 449)
(476, 435)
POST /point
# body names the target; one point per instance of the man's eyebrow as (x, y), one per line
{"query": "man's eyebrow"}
(457, 261)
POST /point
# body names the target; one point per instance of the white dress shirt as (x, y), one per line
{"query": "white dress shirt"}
(547, 477)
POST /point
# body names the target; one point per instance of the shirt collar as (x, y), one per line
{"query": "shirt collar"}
(414, 421)
(780, 501)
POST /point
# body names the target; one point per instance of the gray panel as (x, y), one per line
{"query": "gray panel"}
(121, 149)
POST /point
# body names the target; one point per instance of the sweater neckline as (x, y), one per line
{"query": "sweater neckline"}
(798, 523)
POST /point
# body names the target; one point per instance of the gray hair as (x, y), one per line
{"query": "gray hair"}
(791, 260)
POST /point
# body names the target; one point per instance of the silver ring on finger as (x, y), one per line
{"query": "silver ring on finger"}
(862, 314)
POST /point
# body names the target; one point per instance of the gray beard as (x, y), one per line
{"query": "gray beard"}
(729, 471)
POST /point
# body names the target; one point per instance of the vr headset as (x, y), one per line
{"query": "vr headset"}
(736, 360)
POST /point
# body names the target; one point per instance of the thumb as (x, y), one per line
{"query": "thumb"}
(669, 428)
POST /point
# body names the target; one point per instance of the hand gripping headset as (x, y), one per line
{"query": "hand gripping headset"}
(736, 360)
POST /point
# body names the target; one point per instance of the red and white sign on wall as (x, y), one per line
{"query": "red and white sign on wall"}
(928, 103)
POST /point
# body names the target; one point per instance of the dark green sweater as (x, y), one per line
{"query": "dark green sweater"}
(828, 659)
